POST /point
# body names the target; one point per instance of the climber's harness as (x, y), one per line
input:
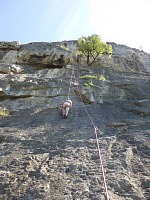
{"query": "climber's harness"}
(63, 105)
(68, 105)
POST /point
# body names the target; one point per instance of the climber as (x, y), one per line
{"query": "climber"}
(65, 107)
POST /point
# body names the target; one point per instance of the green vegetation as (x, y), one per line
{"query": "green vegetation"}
(4, 112)
(88, 84)
(62, 46)
(88, 76)
(101, 78)
(92, 47)
(97, 77)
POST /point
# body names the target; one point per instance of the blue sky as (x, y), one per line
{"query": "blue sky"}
(121, 21)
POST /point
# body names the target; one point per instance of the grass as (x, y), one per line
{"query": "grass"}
(97, 77)
(101, 78)
(88, 84)
(62, 46)
(4, 112)
(88, 77)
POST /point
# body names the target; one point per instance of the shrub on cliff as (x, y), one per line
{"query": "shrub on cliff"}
(92, 47)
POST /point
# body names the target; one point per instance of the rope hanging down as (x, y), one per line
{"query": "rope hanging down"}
(95, 130)
(70, 83)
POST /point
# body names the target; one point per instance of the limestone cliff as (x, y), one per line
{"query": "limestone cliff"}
(46, 157)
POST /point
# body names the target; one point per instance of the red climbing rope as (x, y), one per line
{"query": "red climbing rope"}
(101, 165)
(96, 130)
(70, 83)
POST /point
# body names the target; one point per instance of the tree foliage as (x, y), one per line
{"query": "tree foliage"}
(92, 47)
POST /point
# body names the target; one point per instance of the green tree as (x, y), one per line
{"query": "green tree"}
(92, 47)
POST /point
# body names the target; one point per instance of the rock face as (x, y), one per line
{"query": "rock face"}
(123, 58)
(46, 157)
(39, 54)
